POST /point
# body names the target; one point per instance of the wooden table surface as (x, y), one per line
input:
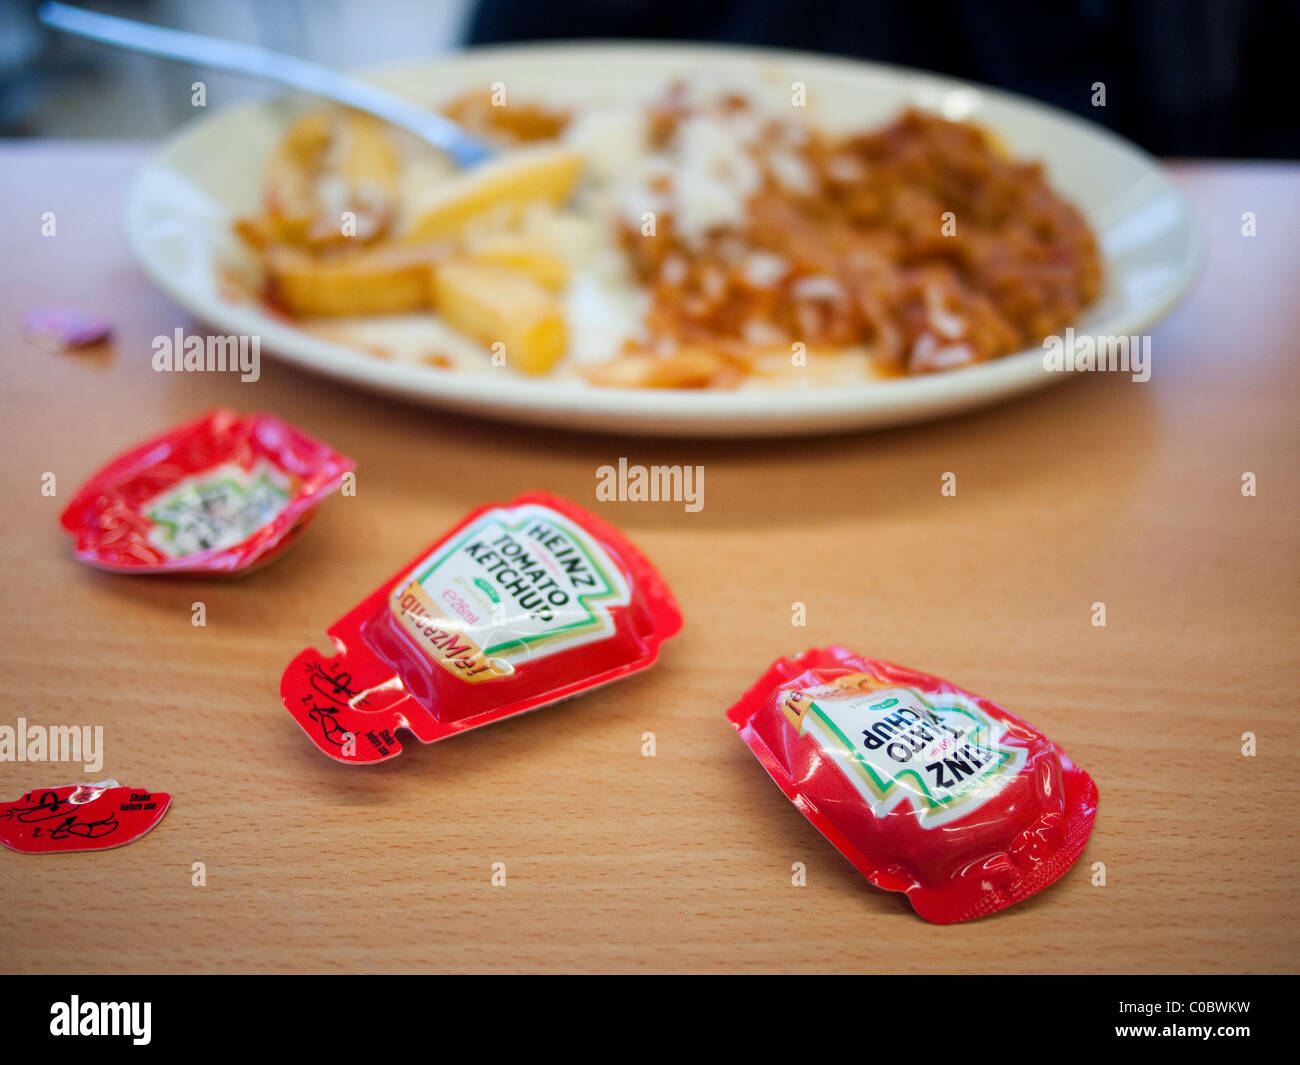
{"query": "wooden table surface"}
(1100, 490)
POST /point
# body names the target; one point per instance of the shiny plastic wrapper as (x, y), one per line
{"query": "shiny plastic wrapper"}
(520, 605)
(218, 495)
(925, 788)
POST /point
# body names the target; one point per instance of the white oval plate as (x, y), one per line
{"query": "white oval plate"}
(180, 206)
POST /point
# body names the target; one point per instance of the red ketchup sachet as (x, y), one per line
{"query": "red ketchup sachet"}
(520, 605)
(217, 495)
(925, 788)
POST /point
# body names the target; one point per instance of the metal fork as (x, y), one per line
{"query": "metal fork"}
(444, 134)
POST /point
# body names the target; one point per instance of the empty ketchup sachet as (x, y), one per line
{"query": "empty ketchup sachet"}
(217, 495)
(925, 788)
(520, 605)
(80, 817)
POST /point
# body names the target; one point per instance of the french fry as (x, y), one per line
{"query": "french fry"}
(500, 187)
(367, 281)
(368, 167)
(370, 161)
(290, 198)
(326, 164)
(494, 304)
(689, 367)
(524, 254)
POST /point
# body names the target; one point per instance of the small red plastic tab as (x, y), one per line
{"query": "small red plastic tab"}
(80, 817)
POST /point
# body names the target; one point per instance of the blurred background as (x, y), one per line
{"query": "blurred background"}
(1203, 78)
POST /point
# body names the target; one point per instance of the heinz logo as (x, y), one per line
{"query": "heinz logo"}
(102, 1018)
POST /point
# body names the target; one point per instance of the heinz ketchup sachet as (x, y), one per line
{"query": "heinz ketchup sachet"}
(521, 604)
(218, 495)
(925, 788)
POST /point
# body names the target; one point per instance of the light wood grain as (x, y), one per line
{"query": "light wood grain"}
(1100, 490)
